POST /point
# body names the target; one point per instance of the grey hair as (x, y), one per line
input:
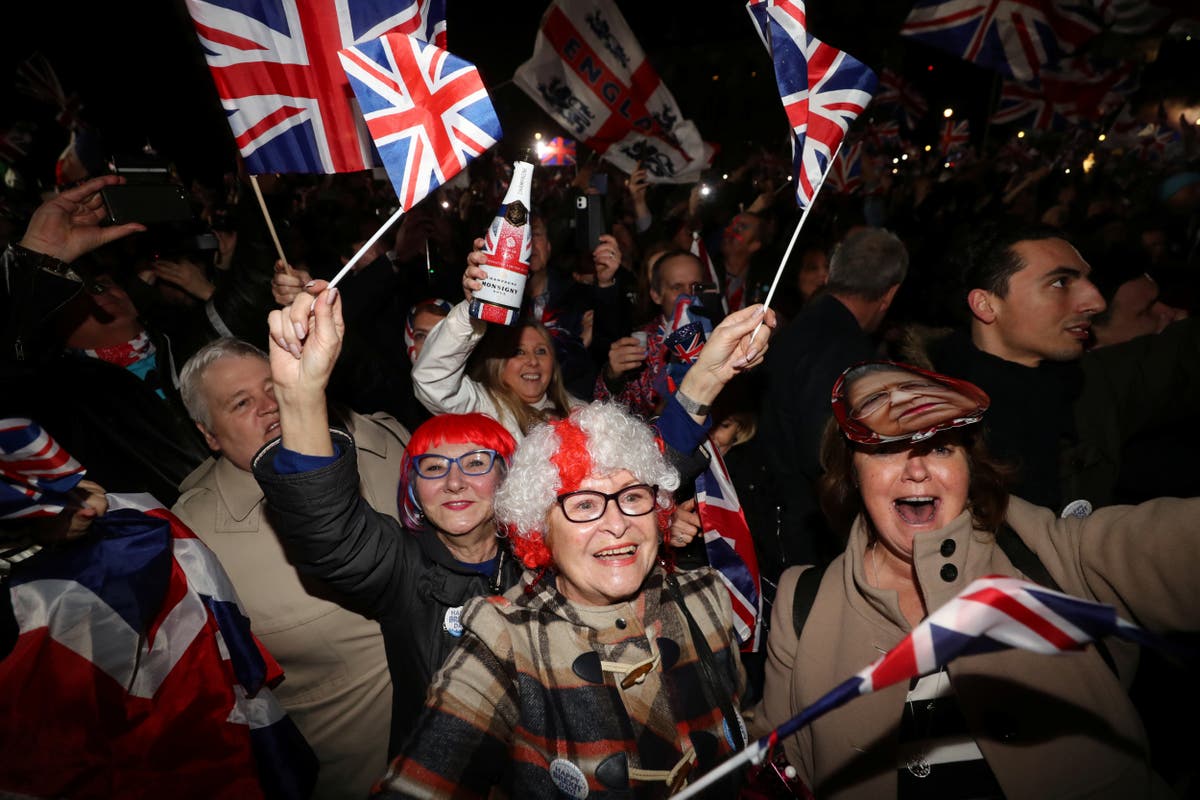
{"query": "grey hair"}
(867, 263)
(191, 377)
(616, 440)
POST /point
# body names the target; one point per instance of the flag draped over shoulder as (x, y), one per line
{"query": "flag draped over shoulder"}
(427, 110)
(589, 73)
(1014, 37)
(730, 547)
(276, 69)
(135, 674)
(822, 88)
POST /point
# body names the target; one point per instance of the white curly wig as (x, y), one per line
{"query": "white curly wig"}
(597, 439)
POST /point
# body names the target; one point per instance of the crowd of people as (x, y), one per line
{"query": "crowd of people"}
(477, 550)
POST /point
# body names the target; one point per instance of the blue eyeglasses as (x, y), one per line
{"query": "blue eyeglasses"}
(474, 463)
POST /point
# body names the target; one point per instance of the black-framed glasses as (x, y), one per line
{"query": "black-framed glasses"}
(588, 506)
(474, 463)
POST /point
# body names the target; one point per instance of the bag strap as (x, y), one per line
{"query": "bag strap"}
(1028, 563)
(805, 594)
(712, 676)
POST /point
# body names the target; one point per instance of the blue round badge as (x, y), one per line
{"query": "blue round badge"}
(452, 624)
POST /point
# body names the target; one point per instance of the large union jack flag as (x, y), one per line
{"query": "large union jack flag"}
(730, 547)
(134, 648)
(1015, 37)
(276, 69)
(823, 90)
(427, 111)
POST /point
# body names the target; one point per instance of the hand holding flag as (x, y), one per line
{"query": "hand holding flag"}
(991, 613)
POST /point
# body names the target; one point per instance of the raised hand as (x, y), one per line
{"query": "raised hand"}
(475, 274)
(68, 225)
(607, 257)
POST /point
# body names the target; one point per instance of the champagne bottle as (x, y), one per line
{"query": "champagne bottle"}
(507, 245)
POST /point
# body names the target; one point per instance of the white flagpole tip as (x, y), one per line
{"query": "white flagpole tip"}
(362, 250)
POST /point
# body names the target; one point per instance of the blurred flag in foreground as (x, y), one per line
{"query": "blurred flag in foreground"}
(589, 73)
(427, 111)
(823, 90)
(276, 69)
(134, 672)
(991, 613)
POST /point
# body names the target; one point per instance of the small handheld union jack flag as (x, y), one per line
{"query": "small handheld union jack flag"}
(823, 90)
(427, 111)
(557, 152)
(955, 136)
(991, 613)
(36, 474)
(894, 90)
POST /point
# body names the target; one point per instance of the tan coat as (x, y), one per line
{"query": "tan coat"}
(1048, 726)
(336, 685)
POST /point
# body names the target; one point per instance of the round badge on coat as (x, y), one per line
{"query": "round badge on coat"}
(452, 624)
(569, 778)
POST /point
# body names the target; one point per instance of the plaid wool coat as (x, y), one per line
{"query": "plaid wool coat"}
(531, 703)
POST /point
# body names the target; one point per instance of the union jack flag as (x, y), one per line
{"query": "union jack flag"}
(1153, 141)
(823, 90)
(427, 111)
(133, 647)
(683, 337)
(845, 177)
(276, 69)
(881, 132)
(1024, 101)
(730, 547)
(558, 152)
(991, 613)
(1015, 37)
(955, 136)
(36, 474)
(894, 90)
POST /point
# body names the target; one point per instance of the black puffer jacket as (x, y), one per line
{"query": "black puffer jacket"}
(407, 580)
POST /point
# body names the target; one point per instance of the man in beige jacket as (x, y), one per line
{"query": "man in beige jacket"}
(336, 684)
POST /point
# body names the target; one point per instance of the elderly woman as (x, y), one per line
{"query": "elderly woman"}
(930, 514)
(607, 674)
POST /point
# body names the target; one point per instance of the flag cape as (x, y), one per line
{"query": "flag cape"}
(730, 547)
(589, 73)
(276, 69)
(135, 674)
(428, 111)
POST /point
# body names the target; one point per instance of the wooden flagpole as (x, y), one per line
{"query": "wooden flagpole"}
(262, 203)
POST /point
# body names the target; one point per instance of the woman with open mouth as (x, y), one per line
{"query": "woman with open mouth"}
(927, 512)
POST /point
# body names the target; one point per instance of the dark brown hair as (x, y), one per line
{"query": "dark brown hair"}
(841, 500)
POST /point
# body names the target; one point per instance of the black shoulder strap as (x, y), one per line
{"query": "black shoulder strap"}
(1028, 563)
(806, 592)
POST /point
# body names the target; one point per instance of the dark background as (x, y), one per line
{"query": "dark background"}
(139, 71)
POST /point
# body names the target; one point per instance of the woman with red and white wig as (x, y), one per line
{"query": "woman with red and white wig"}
(608, 672)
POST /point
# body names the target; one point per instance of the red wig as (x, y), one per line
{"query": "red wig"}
(474, 429)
